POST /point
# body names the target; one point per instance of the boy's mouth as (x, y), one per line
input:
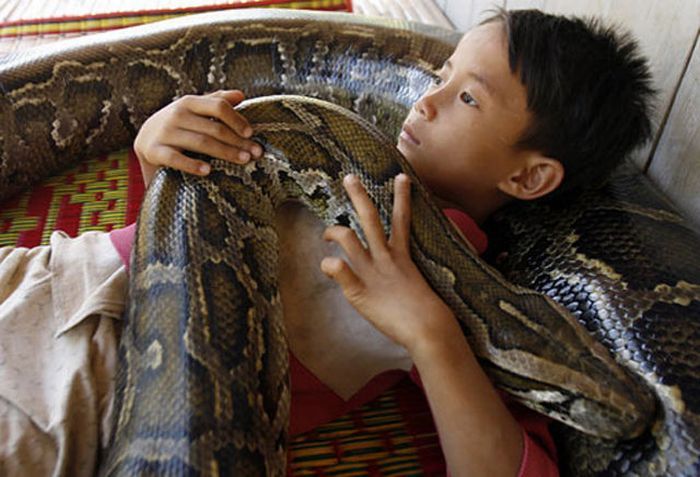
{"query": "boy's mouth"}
(408, 135)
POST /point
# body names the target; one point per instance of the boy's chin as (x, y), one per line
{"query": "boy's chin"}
(404, 149)
(406, 153)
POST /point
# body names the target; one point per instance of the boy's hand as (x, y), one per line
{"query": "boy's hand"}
(204, 124)
(381, 281)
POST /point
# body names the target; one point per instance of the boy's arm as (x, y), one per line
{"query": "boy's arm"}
(205, 124)
(478, 433)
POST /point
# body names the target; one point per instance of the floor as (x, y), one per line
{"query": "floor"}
(422, 11)
(425, 11)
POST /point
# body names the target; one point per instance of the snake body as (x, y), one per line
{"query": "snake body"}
(627, 264)
(203, 387)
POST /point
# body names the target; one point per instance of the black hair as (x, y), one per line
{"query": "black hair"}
(588, 89)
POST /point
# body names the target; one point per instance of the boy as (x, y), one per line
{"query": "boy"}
(510, 117)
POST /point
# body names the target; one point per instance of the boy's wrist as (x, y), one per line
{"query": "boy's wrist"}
(147, 169)
(440, 341)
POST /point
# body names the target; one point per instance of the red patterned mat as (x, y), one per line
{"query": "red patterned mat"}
(100, 194)
(69, 22)
(392, 435)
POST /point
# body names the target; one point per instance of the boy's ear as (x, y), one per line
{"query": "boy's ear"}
(538, 176)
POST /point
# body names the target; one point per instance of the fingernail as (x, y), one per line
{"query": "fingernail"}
(205, 168)
(350, 178)
(244, 156)
(257, 150)
(247, 132)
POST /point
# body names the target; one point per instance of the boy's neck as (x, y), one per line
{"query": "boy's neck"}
(479, 212)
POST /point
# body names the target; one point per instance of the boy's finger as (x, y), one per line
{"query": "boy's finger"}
(233, 96)
(219, 108)
(367, 212)
(337, 269)
(205, 144)
(348, 241)
(221, 132)
(169, 157)
(401, 215)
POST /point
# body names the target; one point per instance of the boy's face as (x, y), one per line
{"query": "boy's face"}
(460, 135)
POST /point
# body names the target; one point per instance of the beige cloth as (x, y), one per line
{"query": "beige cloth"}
(58, 339)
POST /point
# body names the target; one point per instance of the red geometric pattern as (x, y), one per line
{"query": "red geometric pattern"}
(99, 194)
(71, 23)
(392, 435)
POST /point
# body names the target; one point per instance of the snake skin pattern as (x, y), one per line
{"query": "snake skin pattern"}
(91, 97)
(627, 265)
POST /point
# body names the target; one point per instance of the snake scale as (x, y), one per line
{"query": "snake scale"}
(203, 386)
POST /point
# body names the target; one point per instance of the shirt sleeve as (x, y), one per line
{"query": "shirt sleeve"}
(539, 452)
(123, 241)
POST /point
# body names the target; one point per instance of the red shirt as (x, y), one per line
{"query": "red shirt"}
(314, 404)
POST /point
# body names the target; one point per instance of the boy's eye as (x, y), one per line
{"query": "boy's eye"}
(437, 80)
(468, 99)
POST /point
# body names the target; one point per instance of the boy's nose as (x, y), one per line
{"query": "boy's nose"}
(425, 107)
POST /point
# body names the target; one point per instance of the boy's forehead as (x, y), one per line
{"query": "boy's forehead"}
(487, 39)
(479, 32)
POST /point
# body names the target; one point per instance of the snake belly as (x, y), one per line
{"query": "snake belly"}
(203, 385)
